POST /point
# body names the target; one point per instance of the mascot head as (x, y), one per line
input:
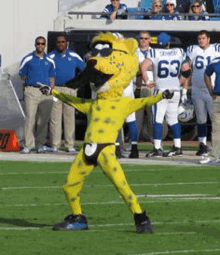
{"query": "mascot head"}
(111, 66)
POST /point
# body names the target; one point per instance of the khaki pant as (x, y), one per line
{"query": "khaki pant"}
(62, 111)
(37, 108)
(216, 127)
(145, 92)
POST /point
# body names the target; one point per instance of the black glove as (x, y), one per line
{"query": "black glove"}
(137, 93)
(167, 94)
(45, 89)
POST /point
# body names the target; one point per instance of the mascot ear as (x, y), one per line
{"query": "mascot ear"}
(131, 44)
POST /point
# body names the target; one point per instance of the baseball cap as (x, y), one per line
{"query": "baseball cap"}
(163, 38)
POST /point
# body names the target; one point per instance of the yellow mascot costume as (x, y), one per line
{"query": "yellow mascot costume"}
(110, 69)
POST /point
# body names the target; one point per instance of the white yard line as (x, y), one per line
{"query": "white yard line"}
(176, 195)
(177, 252)
(92, 230)
(177, 168)
(161, 200)
(159, 223)
(110, 185)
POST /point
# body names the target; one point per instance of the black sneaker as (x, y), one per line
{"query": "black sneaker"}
(142, 223)
(72, 222)
(175, 151)
(202, 151)
(155, 153)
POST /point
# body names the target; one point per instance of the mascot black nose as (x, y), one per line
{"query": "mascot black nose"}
(91, 63)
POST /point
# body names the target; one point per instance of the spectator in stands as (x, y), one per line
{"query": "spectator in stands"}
(171, 10)
(155, 11)
(36, 68)
(197, 7)
(116, 9)
(182, 6)
(141, 89)
(209, 6)
(67, 63)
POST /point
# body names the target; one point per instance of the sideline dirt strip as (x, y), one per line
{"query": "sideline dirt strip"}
(185, 160)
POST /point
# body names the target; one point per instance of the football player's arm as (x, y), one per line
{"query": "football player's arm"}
(185, 78)
(207, 78)
(146, 66)
(81, 104)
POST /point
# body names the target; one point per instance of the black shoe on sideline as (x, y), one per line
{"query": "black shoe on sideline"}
(202, 151)
(175, 151)
(155, 153)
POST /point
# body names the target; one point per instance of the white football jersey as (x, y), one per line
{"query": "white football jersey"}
(166, 67)
(142, 56)
(200, 59)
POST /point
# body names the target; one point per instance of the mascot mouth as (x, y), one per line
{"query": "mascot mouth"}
(89, 75)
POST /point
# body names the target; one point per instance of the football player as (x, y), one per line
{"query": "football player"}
(170, 71)
(200, 56)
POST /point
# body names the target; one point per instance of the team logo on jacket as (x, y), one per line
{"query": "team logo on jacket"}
(69, 59)
(46, 63)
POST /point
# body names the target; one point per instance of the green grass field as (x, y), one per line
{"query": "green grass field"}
(182, 202)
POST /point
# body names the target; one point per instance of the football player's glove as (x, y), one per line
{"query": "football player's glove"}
(45, 89)
(184, 96)
(167, 94)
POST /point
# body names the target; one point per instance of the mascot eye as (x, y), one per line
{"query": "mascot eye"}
(105, 52)
(99, 46)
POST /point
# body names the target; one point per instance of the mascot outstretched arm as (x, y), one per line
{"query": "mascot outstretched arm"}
(110, 69)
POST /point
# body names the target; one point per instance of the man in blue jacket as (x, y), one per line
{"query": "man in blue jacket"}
(36, 68)
(67, 64)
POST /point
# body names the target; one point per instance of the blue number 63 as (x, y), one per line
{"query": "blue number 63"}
(166, 68)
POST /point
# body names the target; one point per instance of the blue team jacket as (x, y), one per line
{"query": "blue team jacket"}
(66, 65)
(37, 69)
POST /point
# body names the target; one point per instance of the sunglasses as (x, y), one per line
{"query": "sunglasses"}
(40, 43)
(156, 5)
(104, 52)
(196, 6)
(144, 38)
(61, 41)
(169, 4)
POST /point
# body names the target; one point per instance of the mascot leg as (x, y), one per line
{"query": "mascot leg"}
(79, 170)
(111, 167)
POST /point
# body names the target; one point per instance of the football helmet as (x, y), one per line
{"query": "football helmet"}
(118, 35)
(186, 111)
